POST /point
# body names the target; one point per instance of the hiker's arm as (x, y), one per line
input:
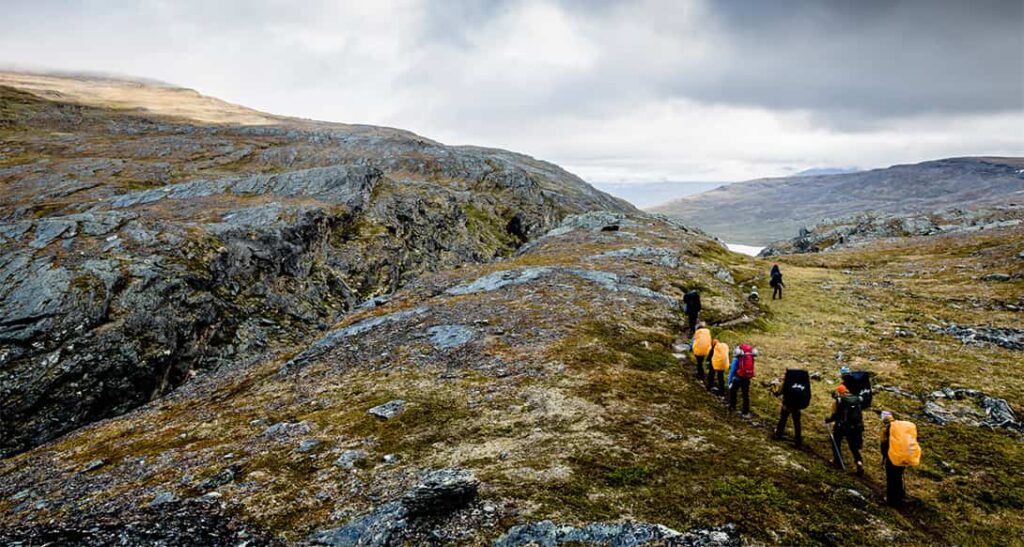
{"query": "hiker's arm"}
(732, 368)
(835, 409)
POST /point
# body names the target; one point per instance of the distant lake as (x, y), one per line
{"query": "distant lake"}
(649, 194)
(744, 249)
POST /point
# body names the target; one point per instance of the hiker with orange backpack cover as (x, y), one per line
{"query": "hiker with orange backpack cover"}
(718, 363)
(740, 374)
(701, 348)
(898, 442)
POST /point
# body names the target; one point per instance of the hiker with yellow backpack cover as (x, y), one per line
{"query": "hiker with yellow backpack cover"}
(701, 347)
(718, 363)
(898, 442)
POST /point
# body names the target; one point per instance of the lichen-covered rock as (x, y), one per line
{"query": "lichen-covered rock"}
(626, 534)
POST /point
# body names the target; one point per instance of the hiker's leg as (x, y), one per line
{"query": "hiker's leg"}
(700, 366)
(746, 396)
(721, 382)
(900, 488)
(893, 483)
(732, 393)
(856, 440)
(710, 384)
(781, 427)
(797, 437)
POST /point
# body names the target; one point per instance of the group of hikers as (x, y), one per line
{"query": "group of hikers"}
(897, 438)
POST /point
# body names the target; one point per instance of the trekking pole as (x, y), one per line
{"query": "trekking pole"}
(837, 454)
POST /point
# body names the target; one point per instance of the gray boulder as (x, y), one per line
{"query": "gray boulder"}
(388, 410)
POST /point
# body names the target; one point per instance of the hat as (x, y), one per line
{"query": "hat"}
(844, 370)
(842, 389)
(885, 414)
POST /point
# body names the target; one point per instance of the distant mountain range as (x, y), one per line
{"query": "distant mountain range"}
(761, 211)
(649, 194)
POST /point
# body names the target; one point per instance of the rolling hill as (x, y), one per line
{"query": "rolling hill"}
(761, 211)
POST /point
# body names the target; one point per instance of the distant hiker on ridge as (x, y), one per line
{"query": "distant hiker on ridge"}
(691, 307)
(701, 347)
(740, 374)
(776, 282)
(846, 414)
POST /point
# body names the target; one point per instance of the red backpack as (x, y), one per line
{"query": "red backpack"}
(745, 368)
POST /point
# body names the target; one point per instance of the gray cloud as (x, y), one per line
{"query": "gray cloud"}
(638, 90)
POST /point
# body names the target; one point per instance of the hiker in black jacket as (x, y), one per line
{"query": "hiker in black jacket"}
(846, 413)
(691, 307)
(776, 282)
(795, 392)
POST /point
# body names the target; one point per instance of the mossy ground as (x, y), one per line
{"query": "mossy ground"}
(572, 407)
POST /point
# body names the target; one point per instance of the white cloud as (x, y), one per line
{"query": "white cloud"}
(647, 90)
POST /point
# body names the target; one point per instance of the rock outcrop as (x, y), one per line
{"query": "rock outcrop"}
(862, 229)
(137, 252)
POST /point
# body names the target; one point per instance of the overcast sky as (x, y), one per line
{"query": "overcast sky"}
(614, 91)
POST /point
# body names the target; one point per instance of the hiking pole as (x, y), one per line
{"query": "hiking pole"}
(837, 454)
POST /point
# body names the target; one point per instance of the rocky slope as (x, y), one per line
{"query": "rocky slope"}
(140, 246)
(864, 229)
(762, 211)
(532, 400)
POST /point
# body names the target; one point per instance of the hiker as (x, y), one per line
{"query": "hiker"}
(795, 392)
(776, 282)
(701, 347)
(718, 363)
(691, 307)
(894, 489)
(740, 373)
(849, 424)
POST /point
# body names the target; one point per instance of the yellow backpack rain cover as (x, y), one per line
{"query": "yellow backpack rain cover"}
(903, 448)
(720, 360)
(702, 342)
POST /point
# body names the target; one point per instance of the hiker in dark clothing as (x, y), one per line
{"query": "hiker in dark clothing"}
(776, 282)
(846, 414)
(691, 307)
(795, 392)
(894, 488)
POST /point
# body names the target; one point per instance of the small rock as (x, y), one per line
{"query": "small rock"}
(308, 445)
(441, 490)
(164, 497)
(93, 465)
(225, 476)
(390, 459)
(388, 410)
(348, 458)
(284, 430)
(996, 277)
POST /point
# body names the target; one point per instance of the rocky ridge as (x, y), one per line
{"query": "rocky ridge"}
(863, 229)
(139, 250)
(761, 211)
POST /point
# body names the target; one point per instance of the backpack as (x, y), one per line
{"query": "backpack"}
(702, 342)
(903, 448)
(859, 383)
(745, 368)
(691, 302)
(796, 389)
(720, 357)
(850, 415)
(776, 279)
